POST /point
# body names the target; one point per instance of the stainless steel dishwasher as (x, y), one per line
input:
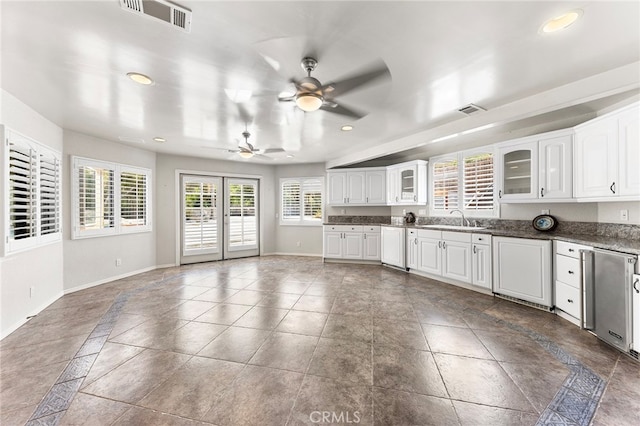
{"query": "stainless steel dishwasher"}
(608, 279)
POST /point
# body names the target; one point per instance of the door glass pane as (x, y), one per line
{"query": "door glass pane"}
(200, 219)
(517, 172)
(242, 216)
(407, 179)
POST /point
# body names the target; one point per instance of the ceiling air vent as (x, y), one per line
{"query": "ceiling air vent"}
(176, 16)
(471, 109)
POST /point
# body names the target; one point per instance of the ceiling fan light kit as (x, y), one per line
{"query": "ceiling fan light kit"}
(309, 102)
(245, 154)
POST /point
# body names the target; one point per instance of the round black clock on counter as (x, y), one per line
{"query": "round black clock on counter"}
(545, 222)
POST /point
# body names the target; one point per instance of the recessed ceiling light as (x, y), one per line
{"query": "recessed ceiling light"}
(346, 128)
(140, 78)
(159, 139)
(289, 155)
(561, 22)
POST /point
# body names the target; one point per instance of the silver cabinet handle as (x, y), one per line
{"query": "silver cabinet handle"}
(571, 272)
(479, 239)
(571, 250)
(396, 198)
(500, 194)
(415, 241)
(542, 192)
(444, 245)
(365, 236)
(635, 285)
(570, 300)
(474, 250)
(367, 199)
(439, 244)
(415, 198)
(613, 187)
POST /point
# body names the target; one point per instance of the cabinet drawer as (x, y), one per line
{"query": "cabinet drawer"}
(568, 299)
(412, 233)
(568, 270)
(462, 237)
(481, 239)
(371, 229)
(570, 249)
(344, 228)
(429, 233)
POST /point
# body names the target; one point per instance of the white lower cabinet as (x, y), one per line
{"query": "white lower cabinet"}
(635, 315)
(522, 269)
(567, 272)
(393, 246)
(354, 242)
(481, 260)
(453, 255)
(411, 252)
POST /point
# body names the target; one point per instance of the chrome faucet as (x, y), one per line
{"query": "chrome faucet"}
(463, 221)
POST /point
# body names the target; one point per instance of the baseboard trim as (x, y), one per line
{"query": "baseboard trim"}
(107, 280)
(292, 254)
(34, 312)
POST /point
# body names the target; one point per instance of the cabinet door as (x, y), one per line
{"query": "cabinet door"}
(371, 246)
(355, 188)
(635, 312)
(337, 186)
(596, 157)
(456, 260)
(392, 186)
(556, 169)
(522, 269)
(352, 245)
(332, 246)
(518, 171)
(629, 152)
(408, 181)
(430, 255)
(481, 266)
(412, 249)
(376, 188)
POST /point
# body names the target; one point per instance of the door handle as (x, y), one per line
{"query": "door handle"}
(613, 187)
(542, 192)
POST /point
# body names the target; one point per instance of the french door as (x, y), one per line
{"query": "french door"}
(219, 218)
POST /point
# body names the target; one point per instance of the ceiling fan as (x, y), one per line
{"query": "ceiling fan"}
(312, 95)
(248, 150)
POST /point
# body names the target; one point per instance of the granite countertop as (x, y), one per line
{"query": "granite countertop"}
(631, 246)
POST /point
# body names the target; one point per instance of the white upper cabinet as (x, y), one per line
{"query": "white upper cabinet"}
(356, 187)
(407, 183)
(536, 168)
(607, 157)
(518, 164)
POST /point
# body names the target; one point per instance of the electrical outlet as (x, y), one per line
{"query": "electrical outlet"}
(343, 211)
(118, 262)
(624, 214)
(545, 211)
(404, 212)
(298, 244)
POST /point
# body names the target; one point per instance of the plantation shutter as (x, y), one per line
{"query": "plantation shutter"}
(22, 192)
(133, 199)
(49, 194)
(291, 200)
(445, 184)
(95, 198)
(312, 199)
(478, 182)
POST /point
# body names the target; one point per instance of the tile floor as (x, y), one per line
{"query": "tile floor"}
(291, 340)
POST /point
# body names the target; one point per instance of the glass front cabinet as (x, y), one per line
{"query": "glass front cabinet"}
(519, 171)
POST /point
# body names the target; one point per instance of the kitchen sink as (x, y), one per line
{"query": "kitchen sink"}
(452, 227)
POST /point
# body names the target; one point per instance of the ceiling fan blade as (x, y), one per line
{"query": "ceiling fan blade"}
(244, 114)
(338, 88)
(270, 150)
(263, 156)
(339, 109)
(287, 99)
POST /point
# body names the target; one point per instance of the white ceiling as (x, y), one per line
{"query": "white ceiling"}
(68, 60)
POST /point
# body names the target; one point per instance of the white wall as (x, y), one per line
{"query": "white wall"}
(18, 272)
(288, 236)
(610, 212)
(166, 198)
(91, 261)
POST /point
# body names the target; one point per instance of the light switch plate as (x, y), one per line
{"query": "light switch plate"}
(545, 211)
(624, 214)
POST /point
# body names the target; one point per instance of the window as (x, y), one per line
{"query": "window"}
(463, 181)
(101, 190)
(33, 189)
(301, 201)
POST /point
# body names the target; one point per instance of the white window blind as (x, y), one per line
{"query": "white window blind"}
(33, 213)
(301, 201)
(464, 181)
(478, 182)
(445, 184)
(110, 198)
